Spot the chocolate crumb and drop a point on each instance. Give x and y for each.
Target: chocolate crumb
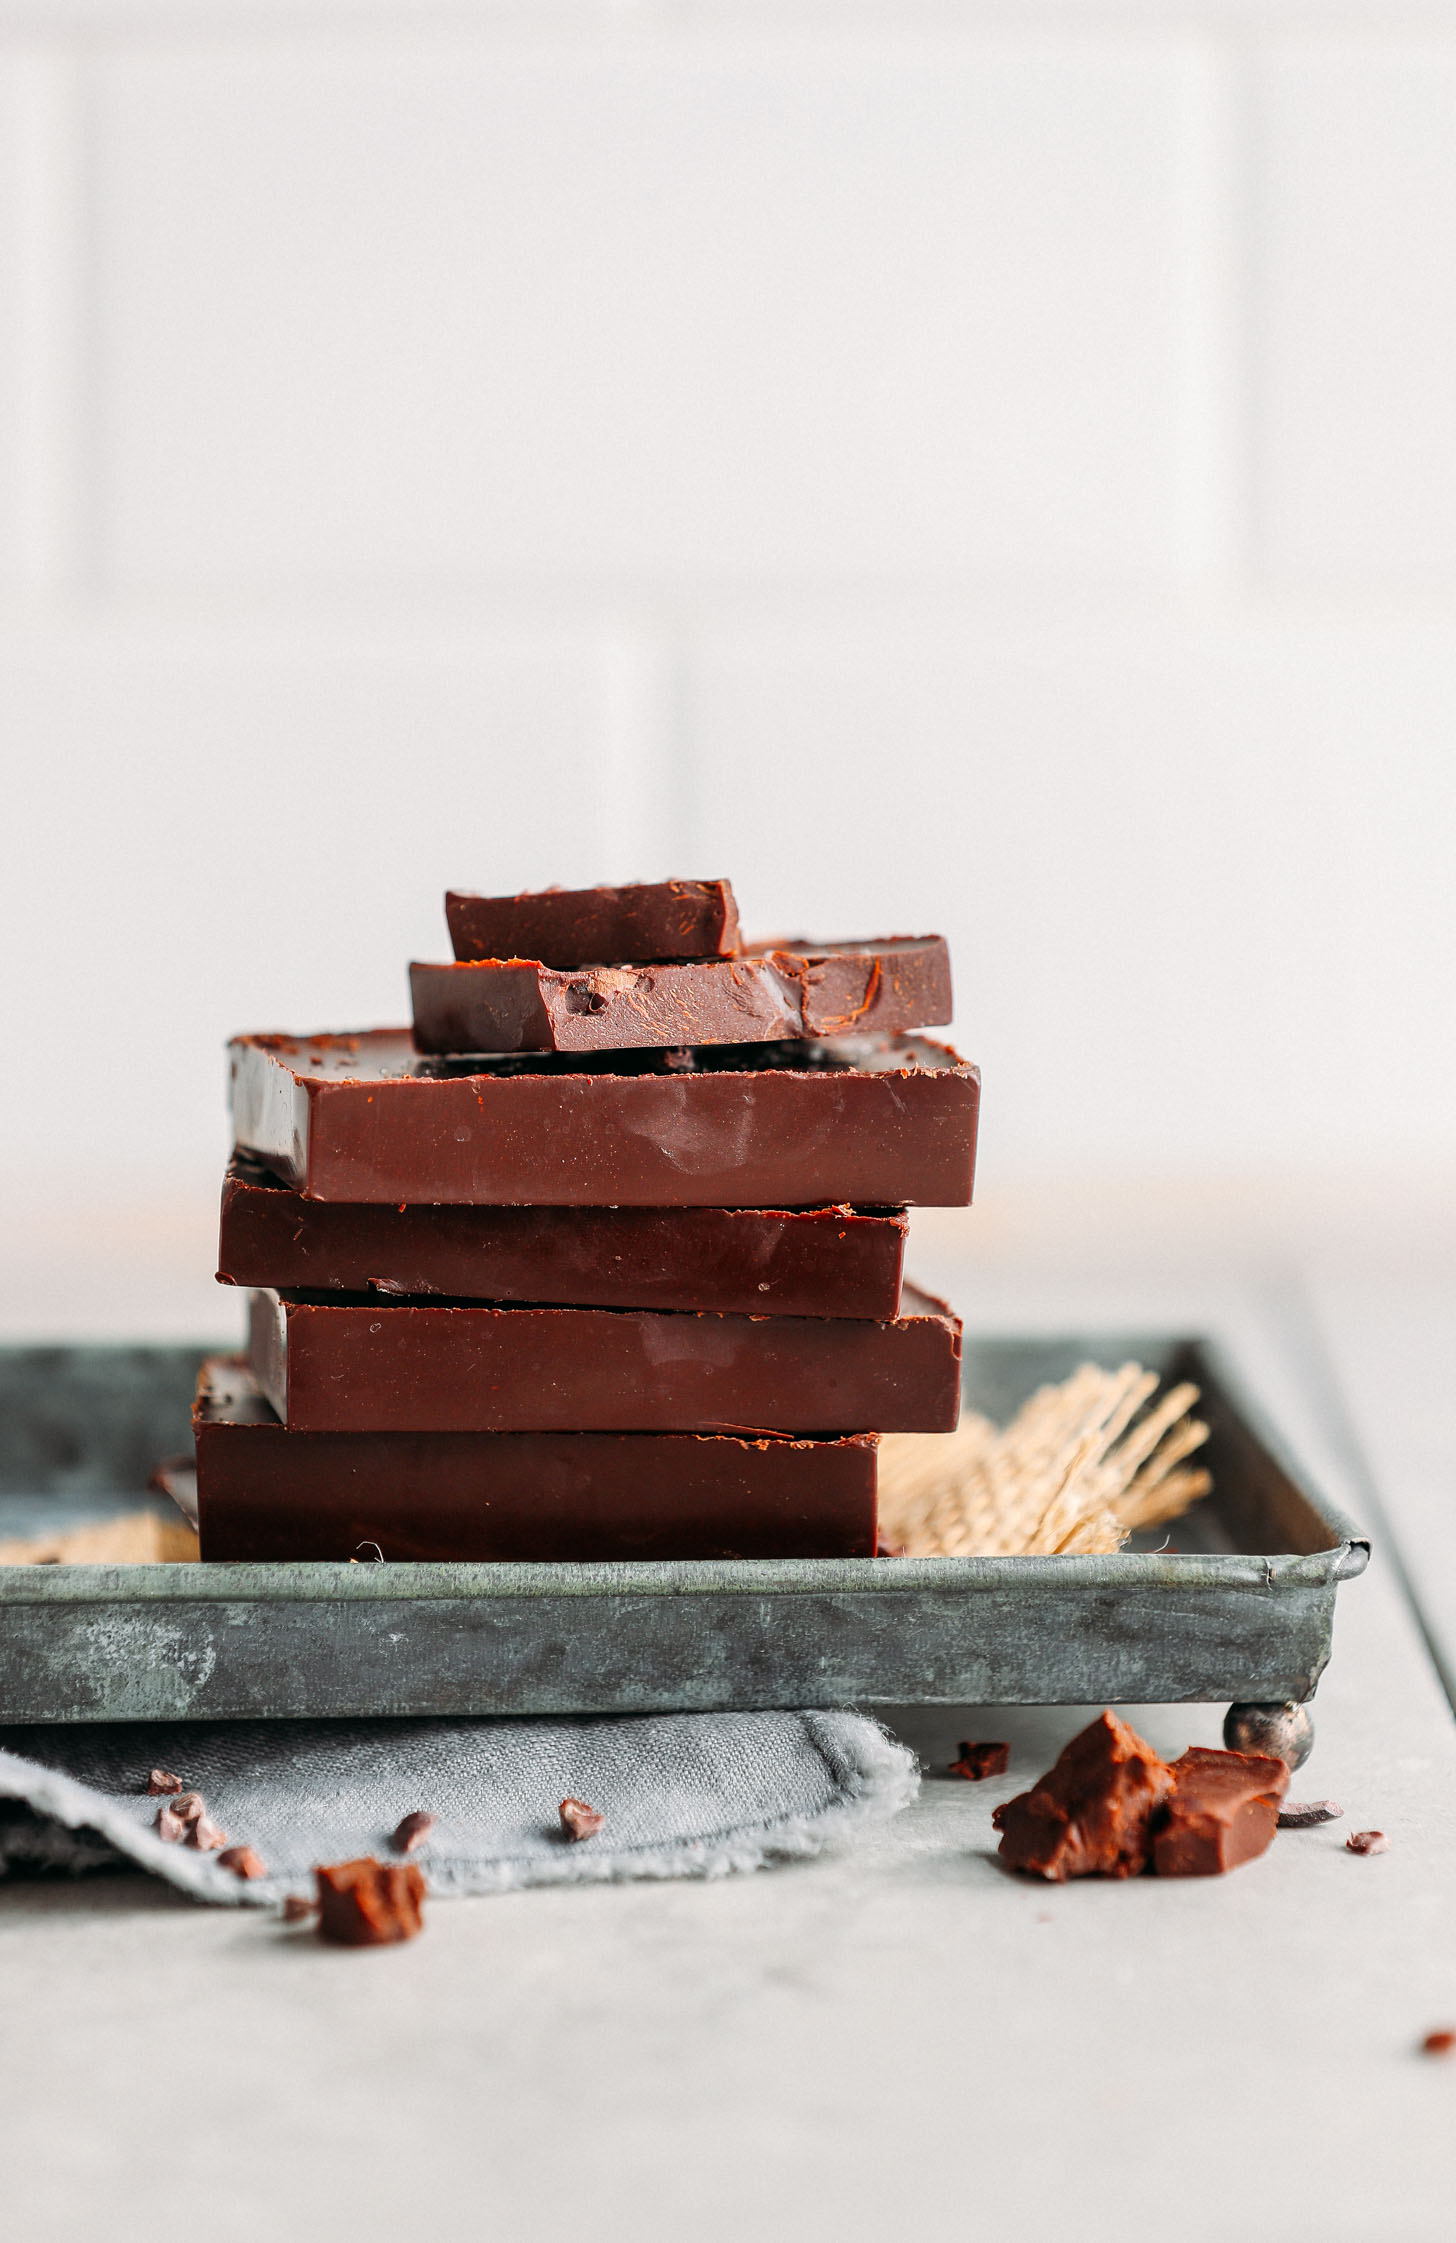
(204, 1835)
(977, 1761)
(1367, 1842)
(296, 1909)
(189, 1805)
(578, 1820)
(412, 1831)
(1303, 1814)
(369, 1903)
(170, 1825)
(162, 1780)
(242, 1861)
(1440, 2043)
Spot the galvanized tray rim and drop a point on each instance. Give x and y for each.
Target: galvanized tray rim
(341, 1639)
(304, 1582)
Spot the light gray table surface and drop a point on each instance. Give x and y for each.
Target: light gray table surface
(901, 2040)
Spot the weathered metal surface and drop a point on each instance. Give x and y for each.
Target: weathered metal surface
(1248, 1616)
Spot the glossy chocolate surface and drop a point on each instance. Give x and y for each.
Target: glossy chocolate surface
(1223, 1809)
(873, 1123)
(572, 927)
(833, 989)
(808, 1262)
(331, 1363)
(267, 1494)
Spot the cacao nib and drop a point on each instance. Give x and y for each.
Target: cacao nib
(978, 1761)
(578, 1820)
(242, 1861)
(412, 1831)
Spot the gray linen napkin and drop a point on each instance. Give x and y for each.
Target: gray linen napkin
(684, 1795)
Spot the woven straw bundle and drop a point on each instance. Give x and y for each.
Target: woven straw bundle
(1080, 1467)
(140, 1538)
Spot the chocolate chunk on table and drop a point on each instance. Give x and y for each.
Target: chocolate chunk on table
(369, 1903)
(265, 1494)
(571, 927)
(1223, 1809)
(875, 1122)
(507, 1005)
(827, 1261)
(332, 1362)
(1090, 1814)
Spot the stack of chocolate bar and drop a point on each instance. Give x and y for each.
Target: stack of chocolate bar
(603, 1261)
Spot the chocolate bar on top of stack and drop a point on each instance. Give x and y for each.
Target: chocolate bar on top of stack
(603, 1261)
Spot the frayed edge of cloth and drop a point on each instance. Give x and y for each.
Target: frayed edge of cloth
(70, 1827)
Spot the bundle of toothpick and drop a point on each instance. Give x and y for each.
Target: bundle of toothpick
(1079, 1469)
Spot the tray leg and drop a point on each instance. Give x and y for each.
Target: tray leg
(1284, 1732)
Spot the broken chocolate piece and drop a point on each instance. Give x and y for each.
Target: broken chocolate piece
(411, 1831)
(161, 1781)
(877, 1122)
(204, 1835)
(823, 1261)
(1223, 1810)
(1439, 2043)
(1089, 1815)
(369, 1903)
(1304, 1814)
(296, 1909)
(978, 1761)
(171, 1826)
(333, 1363)
(570, 927)
(243, 1862)
(264, 1493)
(884, 987)
(1367, 1842)
(189, 1805)
(578, 1820)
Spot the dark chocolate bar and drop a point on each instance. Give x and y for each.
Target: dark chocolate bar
(873, 1123)
(572, 927)
(828, 1261)
(332, 1363)
(827, 989)
(265, 1493)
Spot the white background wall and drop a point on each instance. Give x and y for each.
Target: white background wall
(987, 467)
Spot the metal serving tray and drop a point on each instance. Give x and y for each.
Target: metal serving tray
(1243, 1611)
